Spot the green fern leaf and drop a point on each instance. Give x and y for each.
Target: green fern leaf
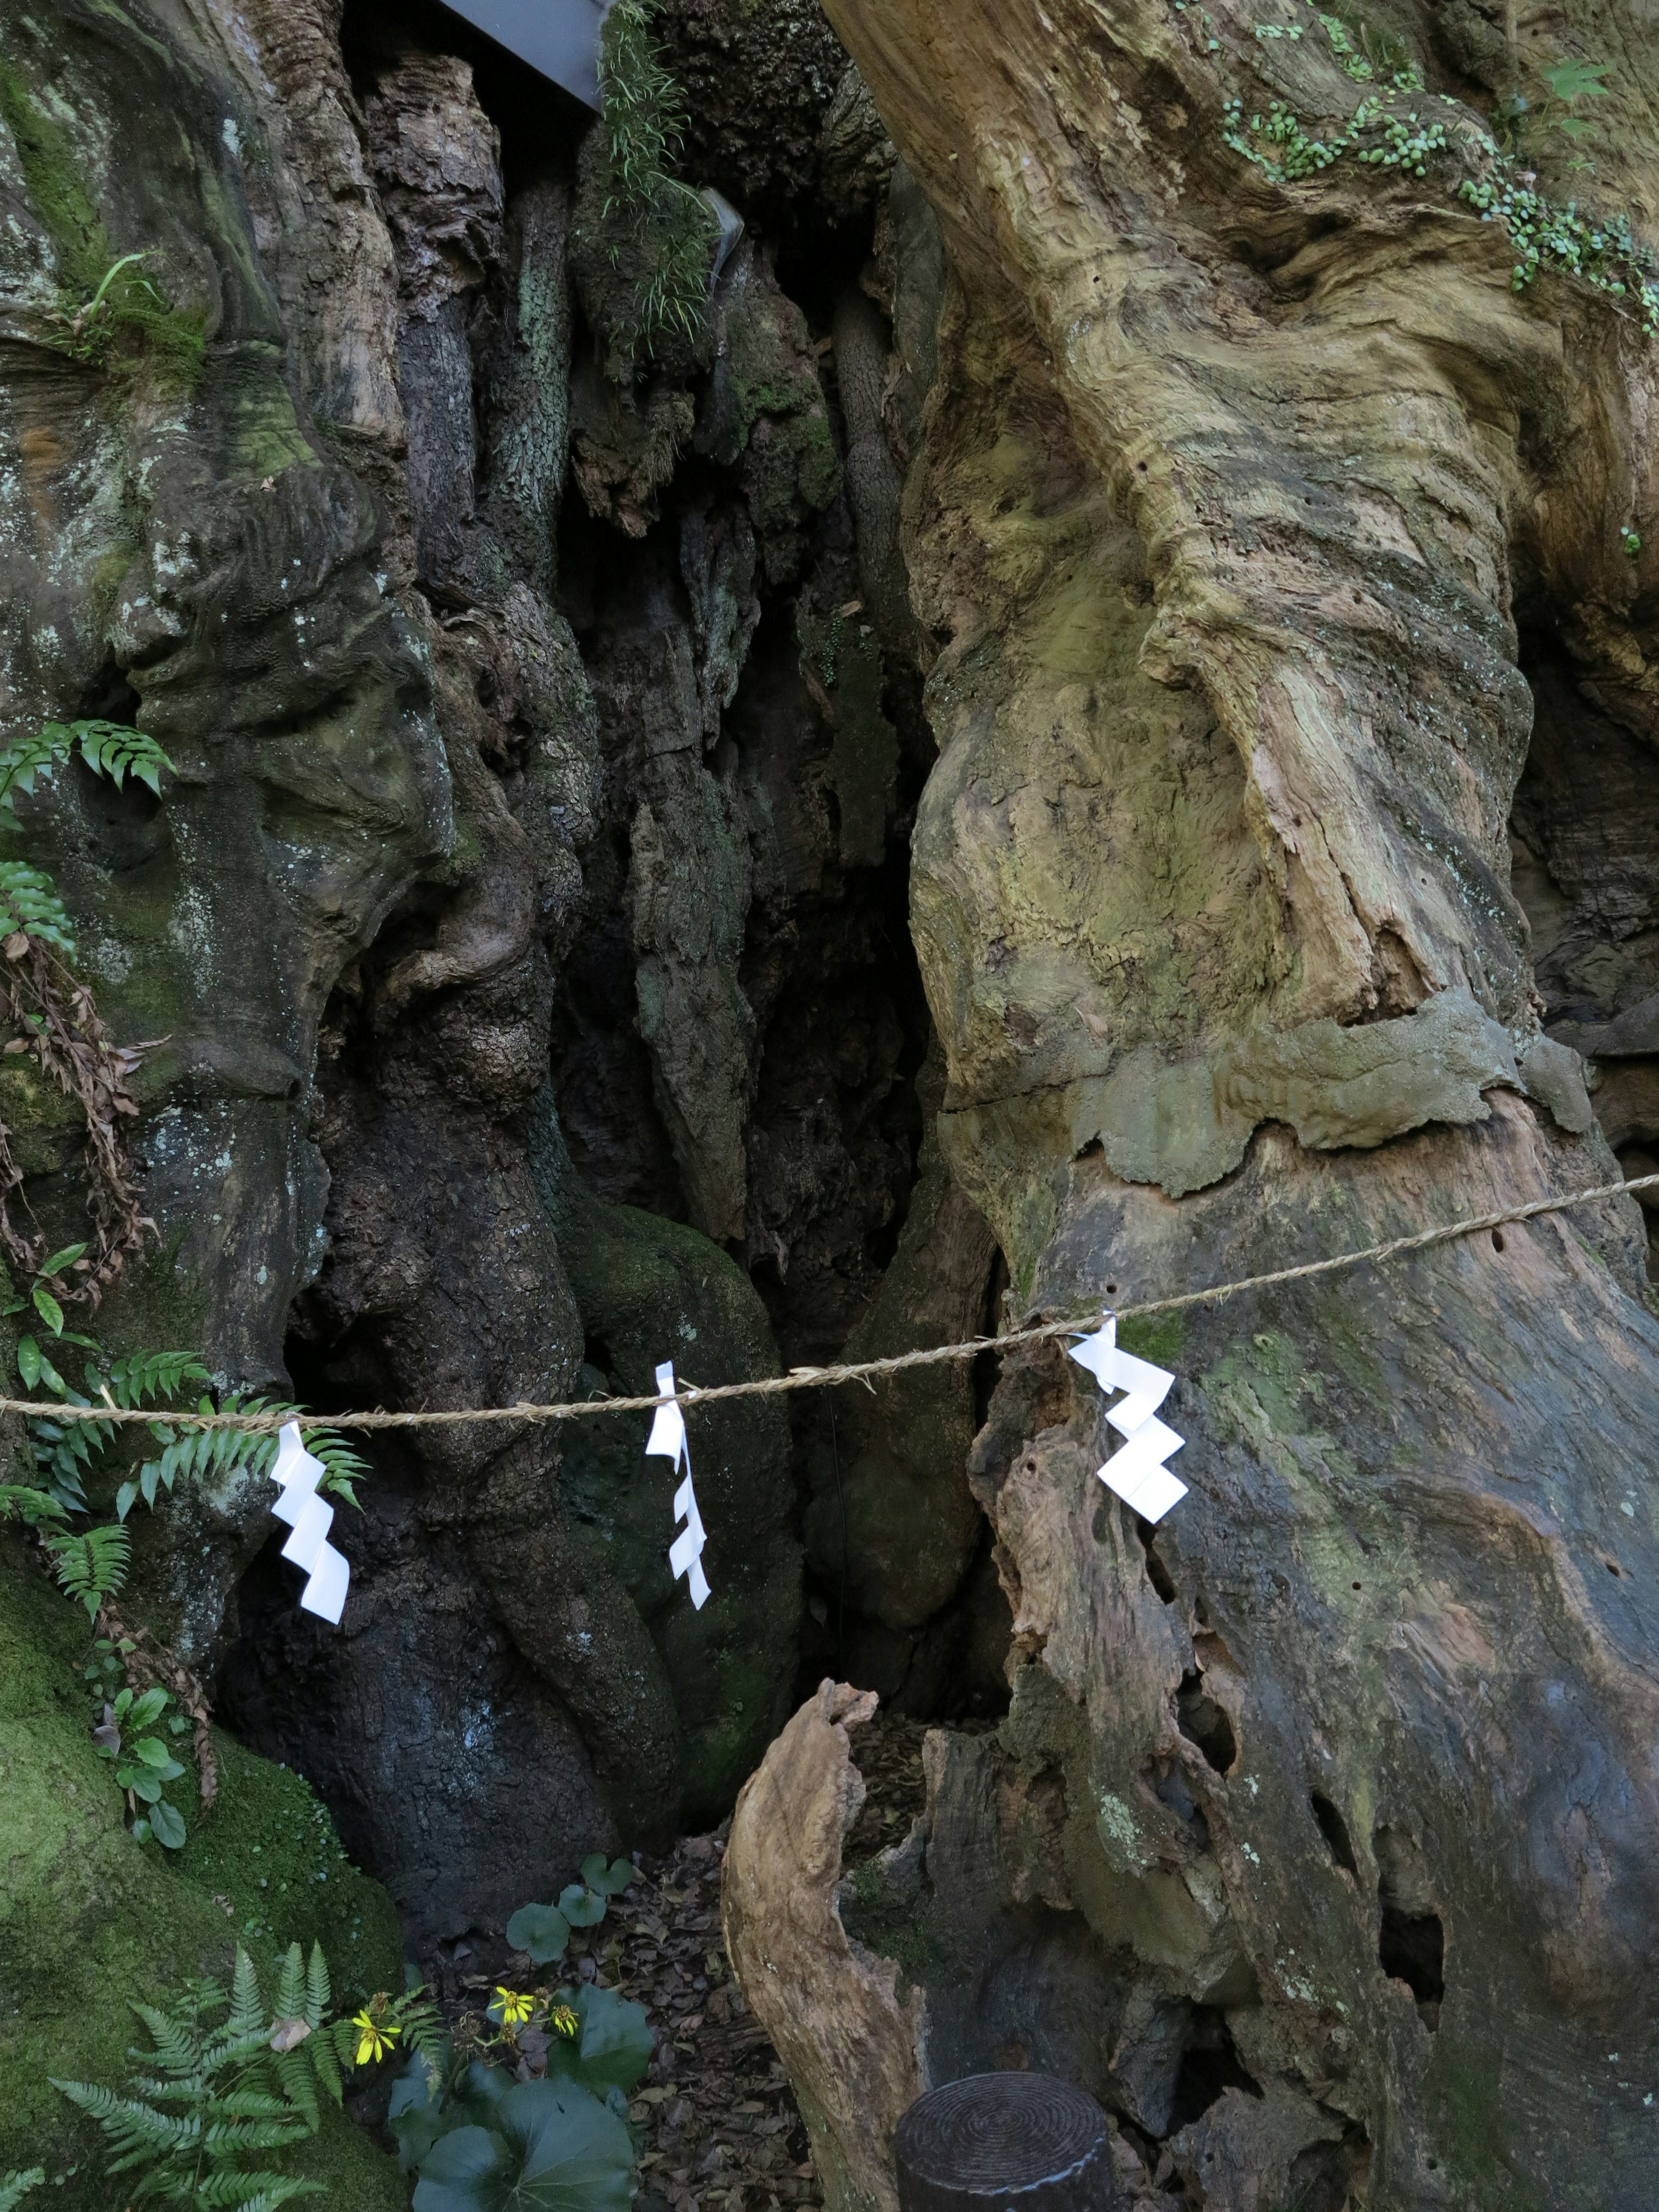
(236, 2100)
(322, 2048)
(26, 757)
(111, 748)
(319, 1994)
(271, 2190)
(151, 1375)
(14, 2187)
(120, 2116)
(19, 1502)
(246, 2104)
(29, 902)
(156, 2092)
(422, 2024)
(294, 2073)
(291, 1984)
(228, 2138)
(177, 2044)
(248, 2008)
(91, 1564)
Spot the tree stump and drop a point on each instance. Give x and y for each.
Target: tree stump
(1023, 2142)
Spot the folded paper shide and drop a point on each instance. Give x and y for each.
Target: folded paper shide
(667, 1441)
(310, 1517)
(1136, 1473)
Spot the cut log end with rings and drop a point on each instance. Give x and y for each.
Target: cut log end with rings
(1005, 2143)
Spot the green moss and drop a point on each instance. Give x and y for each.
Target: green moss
(266, 438)
(168, 341)
(1160, 1338)
(53, 171)
(90, 1920)
(1466, 2098)
(269, 1847)
(907, 1929)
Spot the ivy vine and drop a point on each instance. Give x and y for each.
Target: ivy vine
(1400, 129)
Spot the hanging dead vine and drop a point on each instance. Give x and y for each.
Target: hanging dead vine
(60, 1028)
(57, 1024)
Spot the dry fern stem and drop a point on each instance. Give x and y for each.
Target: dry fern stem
(58, 1024)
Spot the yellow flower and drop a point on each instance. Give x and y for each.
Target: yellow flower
(375, 2037)
(563, 2021)
(512, 2006)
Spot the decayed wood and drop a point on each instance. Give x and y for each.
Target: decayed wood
(854, 2049)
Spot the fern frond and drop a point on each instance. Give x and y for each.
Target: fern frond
(178, 2045)
(421, 2023)
(247, 2006)
(248, 2051)
(191, 1455)
(148, 1375)
(230, 2138)
(24, 758)
(271, 2190)
(238, 2099)
(111, 748)
(319, 1993)
(294, 2071)
(291, 1984)
(29, 902)
(133, 2126)
(91, 1564)
(154, 2091)
(246, 2104)
(323, 2048)
(344, 1465)
(20, 1503)
(59, 1452)
(14, 2187)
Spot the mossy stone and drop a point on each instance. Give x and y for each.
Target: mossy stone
(650, 1290)
(90, 1920)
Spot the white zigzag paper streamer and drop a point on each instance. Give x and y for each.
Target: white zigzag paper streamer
(667, 1441)
(310, 1517)
(1136, 1473)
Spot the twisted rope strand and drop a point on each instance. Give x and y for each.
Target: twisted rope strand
(817, 1378)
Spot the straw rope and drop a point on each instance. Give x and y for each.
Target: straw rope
(866, 1371)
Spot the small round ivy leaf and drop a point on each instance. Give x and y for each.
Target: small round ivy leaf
(540, 1929)
(581, 1907)
(141, 1832)
(609, 1881)
(167, 1825)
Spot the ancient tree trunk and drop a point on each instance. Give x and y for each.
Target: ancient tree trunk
(1319, 1839)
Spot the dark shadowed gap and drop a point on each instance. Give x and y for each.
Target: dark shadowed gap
(1203, 1722)
(1210, 2066)
(1412, 1949)
(1334, 1830)
(1156, 1573)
